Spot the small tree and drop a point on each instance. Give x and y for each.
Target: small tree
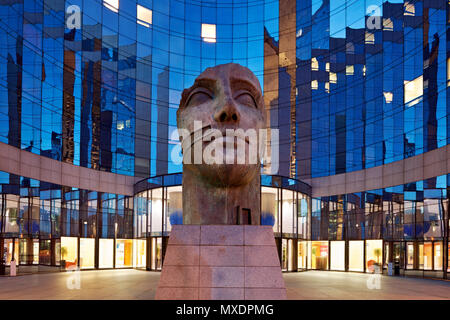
(377, 253)
(63, 252)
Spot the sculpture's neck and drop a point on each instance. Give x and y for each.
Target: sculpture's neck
(206, 204)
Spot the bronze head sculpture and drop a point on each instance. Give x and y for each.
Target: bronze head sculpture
(219, 118)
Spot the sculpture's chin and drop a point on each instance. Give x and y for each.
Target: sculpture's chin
(226, 175)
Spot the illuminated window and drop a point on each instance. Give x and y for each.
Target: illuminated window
(448, 71)
(410, 10)
(139, 253)
(69, 252)
(374, 255)
(124, 253)
(112, 5)
(413, 91)
(388, 25)
(318, 253)
(209, 32)
(370, 38)
(388, 96)
(349, 70)
(337, 252)
(327, 66)
(120, 125)
(87, 253)
(364, 71)
(327, 87)
(333, 77)
(314, 64)
(144, 16)
(356, 256)
(106, 253)
(314, 85)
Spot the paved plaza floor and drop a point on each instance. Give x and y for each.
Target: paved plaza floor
(136, 284)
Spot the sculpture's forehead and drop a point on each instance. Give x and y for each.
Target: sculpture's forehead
(226, 73)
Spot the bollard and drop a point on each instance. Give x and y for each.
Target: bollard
(12, 268)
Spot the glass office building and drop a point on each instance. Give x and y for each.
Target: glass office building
(89, 91)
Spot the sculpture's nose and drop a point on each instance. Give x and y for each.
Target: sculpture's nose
(227, 112)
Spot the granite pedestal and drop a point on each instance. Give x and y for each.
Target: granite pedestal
(218, 262)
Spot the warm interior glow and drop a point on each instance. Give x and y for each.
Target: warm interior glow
(438, 256)
(112, 5)
(413, 91)
(448, 72)
(333, 77)
(106, 253)
(427, 256)
(209, 32)
(124, 253)
(356, 256)
(370, 38)
(349, 70)
(69, 252)
(388, 96)
(388, 25)
(302, 254)
(337, 258)
(144, 16)
(314, 64)
(319, 255)
(374, 255)
(410, 10)
(139, 253)
(87, 253)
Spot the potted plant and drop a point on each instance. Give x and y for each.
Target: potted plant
(377, 253)
(63, 260)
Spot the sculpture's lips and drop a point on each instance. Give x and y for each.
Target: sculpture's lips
(209, 137)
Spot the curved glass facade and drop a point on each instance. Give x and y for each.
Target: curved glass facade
(350, 85)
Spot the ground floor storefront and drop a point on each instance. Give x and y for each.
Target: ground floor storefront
(71, 253)
(414, 258)
(428, 259)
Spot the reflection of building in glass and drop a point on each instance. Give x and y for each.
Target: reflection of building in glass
(360, 99)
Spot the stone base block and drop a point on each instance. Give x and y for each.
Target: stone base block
(221, 262)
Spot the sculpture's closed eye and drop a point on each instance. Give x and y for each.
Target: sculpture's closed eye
(246, 99)
(198, 98)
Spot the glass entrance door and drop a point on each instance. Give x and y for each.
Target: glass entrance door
(284, 253)
(10, 249)
(398, 251)
(301, 251)
(156, 253)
